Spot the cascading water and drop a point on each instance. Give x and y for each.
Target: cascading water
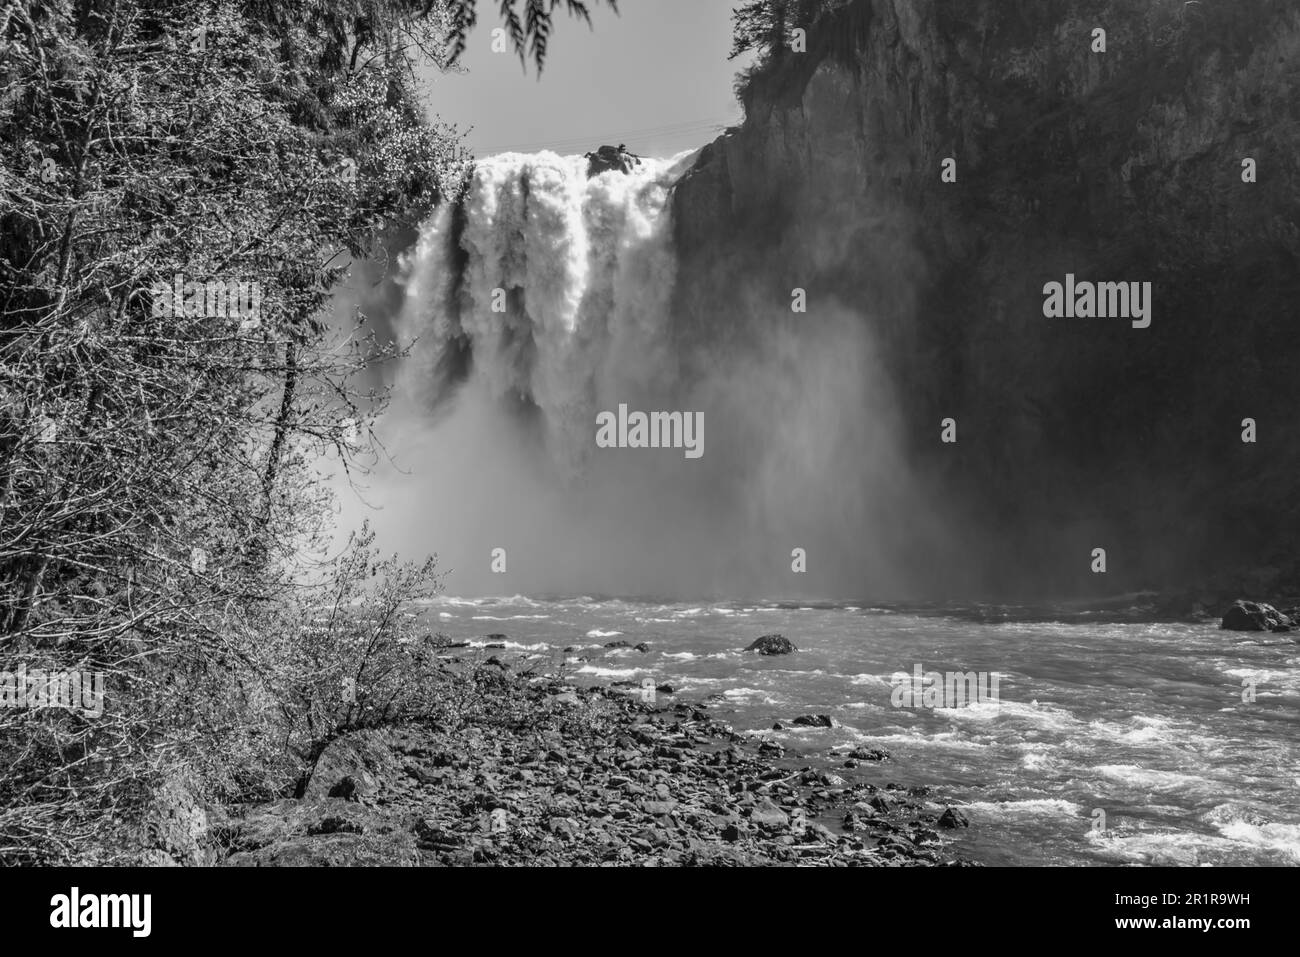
(562, 289)
(545, 298)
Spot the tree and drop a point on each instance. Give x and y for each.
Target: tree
(529, 33)
(765, 26)
(178, 184)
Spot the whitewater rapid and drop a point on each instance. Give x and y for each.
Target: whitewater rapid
(558, 285)
(1113, 742)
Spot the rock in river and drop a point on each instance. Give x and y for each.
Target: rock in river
(772, 645)
(815, 721)
(1254, 616)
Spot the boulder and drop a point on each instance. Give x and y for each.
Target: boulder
(868, 754)
(815, 721)
(1254, 616)
(611, 158)
(351, 767)
(772, 645)
(952, 818)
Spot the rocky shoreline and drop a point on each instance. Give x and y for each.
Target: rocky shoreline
(526, 769)
(543, 773)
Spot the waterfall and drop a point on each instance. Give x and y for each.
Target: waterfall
(544, 300)
(557, 285)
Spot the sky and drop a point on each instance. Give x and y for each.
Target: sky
(654, 76)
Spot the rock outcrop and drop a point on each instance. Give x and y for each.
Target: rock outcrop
(1126, 165)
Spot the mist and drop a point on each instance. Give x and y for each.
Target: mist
(800, 436)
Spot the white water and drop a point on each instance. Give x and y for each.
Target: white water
(493, 430)
(1141, 720)
(565, 291)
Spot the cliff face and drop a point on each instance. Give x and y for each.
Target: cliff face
(1123, 165)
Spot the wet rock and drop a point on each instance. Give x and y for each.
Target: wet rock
(642, 647)
(869, 754)
(772, 645)
(815, 721)
(617, 644)
(952, 818)
(1254, 616)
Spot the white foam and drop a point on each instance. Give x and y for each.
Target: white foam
(1030, 808)
(1149, 778)
(881, 680)
(599, 672)
(1283, 838)
(509, 617)
(514, 645)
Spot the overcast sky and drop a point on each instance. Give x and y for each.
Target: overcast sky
(655, 76)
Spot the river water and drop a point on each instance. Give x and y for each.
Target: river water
(1112, 740)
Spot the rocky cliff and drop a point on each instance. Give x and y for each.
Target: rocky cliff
(1122, 165)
